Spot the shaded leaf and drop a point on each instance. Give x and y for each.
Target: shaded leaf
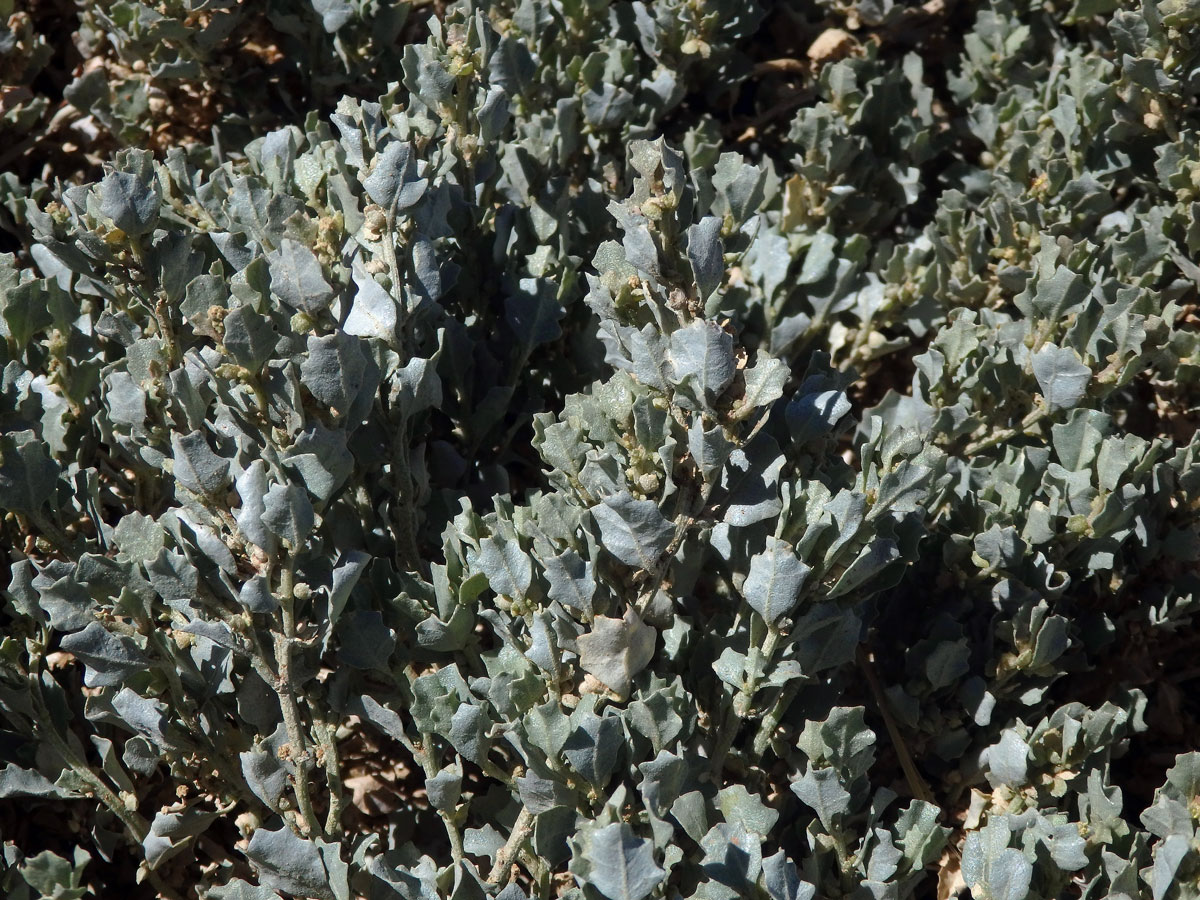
(335, 370)
(110, 659)
(197, 467)
(706, 255)
(27, 475)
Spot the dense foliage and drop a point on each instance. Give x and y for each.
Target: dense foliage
(700, 448)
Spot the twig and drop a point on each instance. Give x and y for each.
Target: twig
(130, 818)
(658, 572)
(740, 704)
(65, 113)
(164, 889)
(54, 534)
(333, 774)
(770, 66)
(916, 783)
(1008, 434)
(520, 833)
(425, 759)
(289, 706)
(782, 107)
(133, 822)
(766, 728)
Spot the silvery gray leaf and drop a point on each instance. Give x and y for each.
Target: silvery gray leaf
(288, 513)
(252, 488)
(783, 880)
(814, 415)
(335, 370)
(126, 400)
(297, 277)
(1061, 375)
(349, 569)
(821, 790)
(541, 794)
(249, 337)
(334, 13)
(393, 183)
(622, 864)
(130, 202)
(374, 313)
(18, 782)
(704, 352)
(706, 255)
(27, 474)
(594, 748)
(444, 789)
(662, 781)
(1007, 760)
(197, 467)
(776, 576)
(739, 184)
(765, 381)
(289, 863)
(634, 531)
(111, 659)
(507, 566)
(256, 595)
(171, 832)
(572, 582)
(617, 649)
(818, 258)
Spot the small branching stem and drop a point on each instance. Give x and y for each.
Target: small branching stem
(327, 737)
(740, 705)
(289, 705)
(760, 658)
(684, 522)
(1007, 434)
(421, 751)
(132, 820)
(54, 534)
(135, 825)
(916, 783)
(522, 828)
(770, 722)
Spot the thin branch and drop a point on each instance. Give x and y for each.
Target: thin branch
(916, 783)
(522, 828)
(333, 774)
(771, 66)
(1007, 434)
(658, 572)
(66, 113)
(424, 757)
(289, 704)
(741, 703)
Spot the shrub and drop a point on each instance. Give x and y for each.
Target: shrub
(618, 461)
